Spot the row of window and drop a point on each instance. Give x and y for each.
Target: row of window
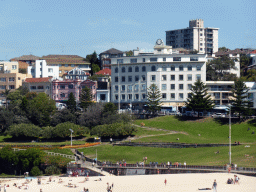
(172, 96)
(153, 68)
(71, 87)
(38, 87)
(172, 77)
(3, 87)
(172, 87)
(130, 88)
(130, 78)
(11, 79)
(72, 65)
(155, 59)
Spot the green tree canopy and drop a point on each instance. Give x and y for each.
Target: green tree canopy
(199, 100)
(153, 99)
(85, 97)
(71, 103)
(93, 59)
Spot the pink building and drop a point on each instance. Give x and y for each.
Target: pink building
(62, 89)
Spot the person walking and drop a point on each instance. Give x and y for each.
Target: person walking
(214, 186)
(165, 182)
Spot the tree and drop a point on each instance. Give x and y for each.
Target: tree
(63, 116)
(199, 100)
(93, 59)
(223, 49)
(219, 69)
(240, 103)
(5, 93)
(85, 97)
(23, 130)
(71, 103)
(95, 68)
(129, 53)
(153, 97)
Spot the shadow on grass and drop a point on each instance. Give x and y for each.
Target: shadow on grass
(34, 139)
(225, 121)
(187, 118)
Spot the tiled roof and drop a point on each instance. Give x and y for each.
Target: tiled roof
(64, 59)
(253, 52)
(25, 57)
(37, 80)
(112, 51)
(104, 72)
(22, 65)
(233, 52)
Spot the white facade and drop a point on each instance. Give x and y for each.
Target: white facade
(41, 69)
(174, 74)
(103, 95)
(195, 37)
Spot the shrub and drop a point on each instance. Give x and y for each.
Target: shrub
(52, 170)
(24, 130)
(35, 171)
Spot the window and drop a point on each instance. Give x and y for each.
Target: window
(181, 67)
(153, 68)
(123, 88)
(172, 95)
(72, 65)
(66, 65)
(50, 70)
(172, 77)
(163, 87)
(137, 69)
(172, 86)
(119, 61)
(116, 79)
(201, 44)
(153, 59)
(189, 86)
(129, 78)
(116, 87)
(14, 67)
(129, 96)
(47, 87)
(164, 69)
(190, 68)
(143, 87)
(102, 97)
(163, 95)
(60, 65)
(181, 86)
(130, 69)
(40, 87)
(129, 89)
(62, 86)
(143, 60)
(40, 69)
(60, 71)
(123, 69)
(3, 79)
(198, 68)
(136, 87)
(11, 79)
(189, 95)
(201, 34)
(198, 77)
(176, 58)
(143, 78)
(189, 77)
(143, 96)
(181, 77)
(116, 70)
(32, 87)
(123, 78)
(18, 78)
(123, 96)
(11, 87)
(116, 97)
(172, 68)
(143, 68)
(153, 77)
(164, 59)
(70, 86)
(137, 78)
(181, 95)
(136, 96)
(164, 78)
(133, 60)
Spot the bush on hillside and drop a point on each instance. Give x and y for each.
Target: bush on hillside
(52, 170)
(35, 171)
(23, 130)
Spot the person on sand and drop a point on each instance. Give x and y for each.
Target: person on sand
(165, 181)
(214, 186)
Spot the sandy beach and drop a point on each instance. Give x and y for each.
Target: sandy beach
(144, 183)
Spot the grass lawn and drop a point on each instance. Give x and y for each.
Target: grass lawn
(193, 156)
(62, 151)
(210, 129)
(144, 132)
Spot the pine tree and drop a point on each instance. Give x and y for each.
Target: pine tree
(199, 100)
(240, 103)
(71, 103)
(154, 96)
(85, 97)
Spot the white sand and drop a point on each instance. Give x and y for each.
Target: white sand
(145, 183)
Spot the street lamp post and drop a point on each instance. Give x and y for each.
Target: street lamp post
(230, 135)
(71, 135)
(118, 89)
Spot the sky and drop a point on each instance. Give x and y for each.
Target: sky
(80, 27)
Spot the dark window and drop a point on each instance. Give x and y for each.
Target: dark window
(116, 79)
(130, 69)
(123, 69)
(153, 68)
(123, 78)
(116, 70)
(172, 68)
(137, 69)
(176, 58)
(62, 86)
(154, 59)
(143, 68)
(70, 86)
(193, 58)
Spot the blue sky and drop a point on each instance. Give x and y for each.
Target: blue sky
(42, 27)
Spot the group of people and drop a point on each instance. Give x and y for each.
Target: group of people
(231, 181)
(3, 187)
(110, 187)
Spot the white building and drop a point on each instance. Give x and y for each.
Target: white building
(195, 37)
(173, 74)
(41, 69)
(76, 73)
